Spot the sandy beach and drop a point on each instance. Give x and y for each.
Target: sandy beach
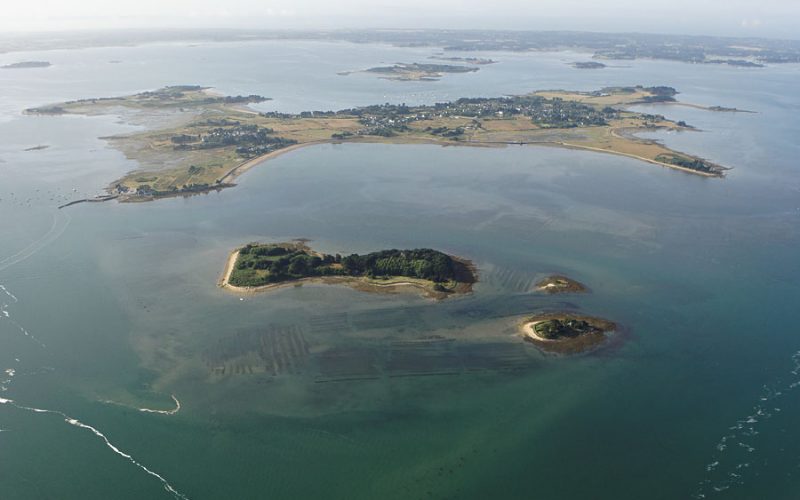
(528, 330)
(247, 165)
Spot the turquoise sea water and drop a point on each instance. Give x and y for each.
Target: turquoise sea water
(331, 393)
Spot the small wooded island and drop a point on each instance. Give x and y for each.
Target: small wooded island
(566, 333)
(410, 72)
(588, 65)
(560, 284)
(26, 65)
(258, 267)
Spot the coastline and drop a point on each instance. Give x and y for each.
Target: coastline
(226, 181)
(567, 145)
(245, 166)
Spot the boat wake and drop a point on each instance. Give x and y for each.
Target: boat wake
(734, 454)
(60, 222)
(77, 423)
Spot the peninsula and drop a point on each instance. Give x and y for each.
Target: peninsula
(259, 267)
(566, 333)
(205, 140)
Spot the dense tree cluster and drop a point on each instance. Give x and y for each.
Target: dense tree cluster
(420, 263)
(560, 328)
(250, 140)
(263, 264)
(690, 163)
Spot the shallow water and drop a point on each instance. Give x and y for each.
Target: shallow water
(329, 392)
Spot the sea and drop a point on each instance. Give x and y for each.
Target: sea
(127, 373)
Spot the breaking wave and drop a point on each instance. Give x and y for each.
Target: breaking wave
(149, 410)
(733, 457)
(77, 423)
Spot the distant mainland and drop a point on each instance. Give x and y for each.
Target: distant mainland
(215, 138)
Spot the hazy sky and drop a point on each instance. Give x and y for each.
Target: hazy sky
(774, 18)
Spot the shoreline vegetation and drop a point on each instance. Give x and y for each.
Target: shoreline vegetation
(212, 139)
(258, 267)
(566, 333)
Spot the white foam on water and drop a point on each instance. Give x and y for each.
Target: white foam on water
(165, 412)
(77, 423)
(149, 410)
(720, 477)
(4, 314)
(26, 332)
(5, 290)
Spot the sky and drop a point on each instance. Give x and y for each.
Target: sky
(769, 18)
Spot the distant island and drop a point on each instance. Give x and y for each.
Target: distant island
(566, 333)
(479, 61)
(693, 49)
(723, 109)
(560, 284)
(588, 65)
(742, 63)
(418, 71)
(213, 139)
(259, 267)
(26, 64)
